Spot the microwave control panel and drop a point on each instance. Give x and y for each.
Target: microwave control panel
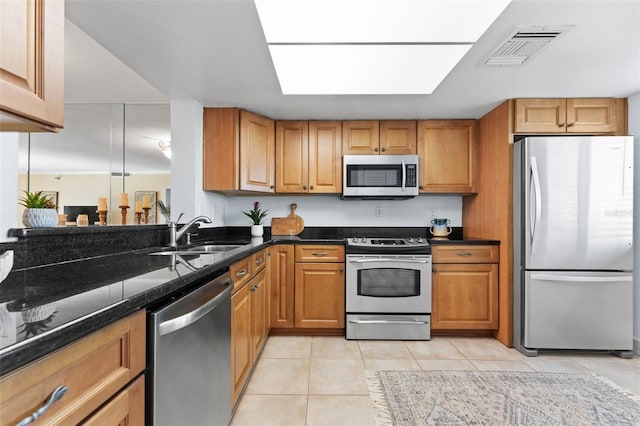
(412, 175)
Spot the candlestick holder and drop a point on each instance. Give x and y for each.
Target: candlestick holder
(102, 215)
(123, 211)
(146, 215)
(138, 217)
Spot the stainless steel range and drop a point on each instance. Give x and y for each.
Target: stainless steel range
(388, 288)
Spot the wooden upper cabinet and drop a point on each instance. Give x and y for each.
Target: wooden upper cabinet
(379, 137)
(292, 156)
(447, 153)
(308, 157)
(581, 115)
(238, 151)
(325, 157)
(32, 65)
(398, 137)
(360, 137)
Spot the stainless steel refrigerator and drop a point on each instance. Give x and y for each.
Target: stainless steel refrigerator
(573, 254)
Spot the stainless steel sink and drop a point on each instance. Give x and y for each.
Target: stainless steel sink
(208, 248)
(198, 250)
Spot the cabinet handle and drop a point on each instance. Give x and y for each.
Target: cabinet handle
(375, 149)
(464, 253)
(241, 273)
(383, 149)
(311, 187)
(259, 260)
(421, 187)
(571, 124)
(320, 253)
(304, 186)
(55, 395)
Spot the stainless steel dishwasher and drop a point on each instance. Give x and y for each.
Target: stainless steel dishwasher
(189, 375)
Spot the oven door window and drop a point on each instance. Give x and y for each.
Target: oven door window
(389, 282)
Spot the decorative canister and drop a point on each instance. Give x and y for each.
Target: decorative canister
(440, 227)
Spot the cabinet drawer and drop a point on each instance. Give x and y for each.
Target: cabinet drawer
(127, 408)
(465, 254)
(94, 369)
(241, 272)
(259, 261)
(319, 253)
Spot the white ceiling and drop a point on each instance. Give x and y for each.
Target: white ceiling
(214, 51)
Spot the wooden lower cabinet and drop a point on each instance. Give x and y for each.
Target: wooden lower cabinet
(465, 287)
(465, 296)
(249, 329)
(126, 409)
(95, 369)
(282, 271)
(319, 295)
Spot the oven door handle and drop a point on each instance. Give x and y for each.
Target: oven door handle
(387, 322)
(382, 259)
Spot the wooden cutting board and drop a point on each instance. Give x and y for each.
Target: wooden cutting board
(291, 225)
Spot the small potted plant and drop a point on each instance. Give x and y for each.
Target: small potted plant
(256, 215)
(40, 211)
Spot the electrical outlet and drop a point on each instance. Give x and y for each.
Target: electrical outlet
(378, 211)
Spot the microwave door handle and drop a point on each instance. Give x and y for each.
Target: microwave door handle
(404, 175)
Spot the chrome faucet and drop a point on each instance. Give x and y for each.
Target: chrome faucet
(175, 235)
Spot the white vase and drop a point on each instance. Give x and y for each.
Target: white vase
(257, 230)
(39, 218)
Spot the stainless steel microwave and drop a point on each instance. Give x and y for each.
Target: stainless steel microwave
(380, 176)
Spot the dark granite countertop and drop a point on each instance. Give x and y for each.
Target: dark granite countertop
(470, 241)
(44, 308)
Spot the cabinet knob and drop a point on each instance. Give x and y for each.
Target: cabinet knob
(421, 187)
(341, 269)
(271, 187)
(375, 149)
(304, 186)
(562, 124)
(311, 187)
(383, 149)
(259, 260)
(571, 124)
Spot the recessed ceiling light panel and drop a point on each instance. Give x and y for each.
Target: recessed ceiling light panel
(363, 69)
(377, 21)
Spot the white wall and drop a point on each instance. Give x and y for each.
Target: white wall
(634, 129)
(330, 210)
(8, 182)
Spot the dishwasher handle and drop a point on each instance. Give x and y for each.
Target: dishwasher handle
(182, 321)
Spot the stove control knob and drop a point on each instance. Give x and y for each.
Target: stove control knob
(419, 239)
(410, 239)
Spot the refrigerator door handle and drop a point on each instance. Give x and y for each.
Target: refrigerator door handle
(535, 186)
(599, 279)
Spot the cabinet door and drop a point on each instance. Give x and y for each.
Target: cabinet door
(259, 299)
(257, 140)
(465, 296)
(596, 115)
(94, 369)
(281, 265)
(292, 156)
(360, 137)
(127, 408)
(319, 295)
(241, 341)
(447, 150)
(31, 65)
(540, 116)
(398, 137)
(325, 157)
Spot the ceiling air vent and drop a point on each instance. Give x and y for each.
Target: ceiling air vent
(523, 44)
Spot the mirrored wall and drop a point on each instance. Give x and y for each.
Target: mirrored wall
(103, 151)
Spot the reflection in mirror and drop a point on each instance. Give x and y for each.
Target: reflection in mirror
(104, 149)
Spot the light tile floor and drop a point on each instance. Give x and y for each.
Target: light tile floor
(322, 380)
